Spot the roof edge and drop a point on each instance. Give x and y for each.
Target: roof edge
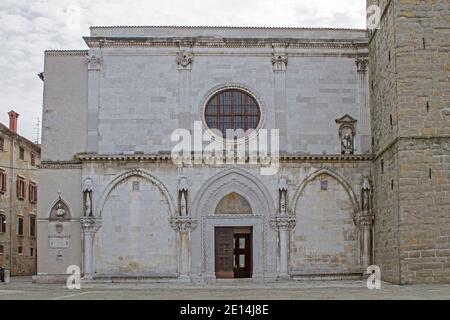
(228, 27)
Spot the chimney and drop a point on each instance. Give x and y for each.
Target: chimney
(13, 120)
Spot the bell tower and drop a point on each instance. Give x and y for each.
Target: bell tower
(409, 84)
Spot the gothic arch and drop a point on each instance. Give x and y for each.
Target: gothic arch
(133, 173)
(334, 175)
(228, 181)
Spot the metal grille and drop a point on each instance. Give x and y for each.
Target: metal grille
(232, 109)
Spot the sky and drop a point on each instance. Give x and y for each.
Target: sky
(29, 27)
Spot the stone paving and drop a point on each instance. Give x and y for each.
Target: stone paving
(22, 288)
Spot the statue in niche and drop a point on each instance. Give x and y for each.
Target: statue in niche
(365, 194)
(347, 141)
(347, 126)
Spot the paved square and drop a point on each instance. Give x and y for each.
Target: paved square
(22, 288)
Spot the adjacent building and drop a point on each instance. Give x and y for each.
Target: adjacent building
(19, 159)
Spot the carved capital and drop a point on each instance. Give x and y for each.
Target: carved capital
(279, 61)
(361, 64)
(94, 62)
(183, 224)
(184, 60)
(366, 220)
(283, 223)
(90, 224)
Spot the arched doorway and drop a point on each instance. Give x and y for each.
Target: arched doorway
(222, 192)
(233, 245)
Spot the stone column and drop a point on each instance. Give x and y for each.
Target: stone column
(364, 114)
(94, 68)
(283, 224)
(365, 223)
(279, 62)
(90, 226)
(184, 225)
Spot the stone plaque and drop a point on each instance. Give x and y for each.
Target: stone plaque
(59, 242)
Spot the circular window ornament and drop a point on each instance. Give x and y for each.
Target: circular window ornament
(232, 110)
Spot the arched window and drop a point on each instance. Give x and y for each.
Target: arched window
(232, 109)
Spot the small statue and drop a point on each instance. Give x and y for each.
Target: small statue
(365, 194)
(87, 205)
(347, 143)
(183, 207)
(60, 211)
(283, 203)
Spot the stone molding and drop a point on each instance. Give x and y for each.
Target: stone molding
(60, 165)
(108, 42)
(168, 157)
(67, 52)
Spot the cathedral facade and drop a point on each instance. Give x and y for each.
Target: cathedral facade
(204, 153)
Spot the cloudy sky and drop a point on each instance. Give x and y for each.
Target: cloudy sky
(28, 27)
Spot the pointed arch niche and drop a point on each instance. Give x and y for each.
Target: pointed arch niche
(233, 203)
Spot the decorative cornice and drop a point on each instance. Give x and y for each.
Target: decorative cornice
(60, 165)
(66, 52)
(183, 224)
(108, 42)
(168, 157)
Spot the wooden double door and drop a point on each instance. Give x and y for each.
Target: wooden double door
(233, 252)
